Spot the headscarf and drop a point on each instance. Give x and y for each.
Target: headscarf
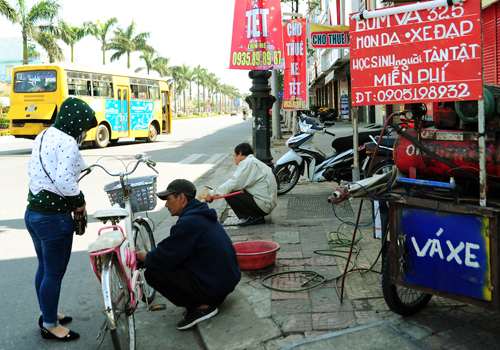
(74, 117)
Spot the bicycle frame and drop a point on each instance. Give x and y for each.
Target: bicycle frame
(113, 240)
(128, 263)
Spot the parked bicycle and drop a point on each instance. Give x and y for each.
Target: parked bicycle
(113, 255)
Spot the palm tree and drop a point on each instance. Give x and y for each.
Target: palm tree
(44, 33)
(157, 64)
(179, 82)
(100, 31)
(125, 42)
(7, 11)
(184, 76)
(70, 35)
(205, 82)
(199, 75)
(213, 86)
(48, 42)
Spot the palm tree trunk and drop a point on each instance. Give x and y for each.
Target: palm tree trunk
(184, 98)
(199, 111)
(128, 60)
(204, 97)
(103, 57)
(175, 99)
(72, 53)
(25, 50)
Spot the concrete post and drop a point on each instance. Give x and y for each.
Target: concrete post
(260, 101)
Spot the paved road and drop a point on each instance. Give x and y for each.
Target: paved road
(192, 151)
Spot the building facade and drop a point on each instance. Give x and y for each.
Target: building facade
(11, 55)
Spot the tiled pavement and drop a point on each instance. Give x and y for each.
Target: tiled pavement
(443, 324)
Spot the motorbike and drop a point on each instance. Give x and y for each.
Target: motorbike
(327, 115)
(320, 167)
(383, 157)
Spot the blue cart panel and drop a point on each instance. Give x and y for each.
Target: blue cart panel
(447, 251)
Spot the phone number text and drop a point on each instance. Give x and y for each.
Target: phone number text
(451, 91)
(257, 58)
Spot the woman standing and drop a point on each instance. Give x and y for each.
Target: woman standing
(54, 168)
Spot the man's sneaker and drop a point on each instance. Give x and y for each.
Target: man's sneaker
(192, 317)
(240, 221)
(253, 220)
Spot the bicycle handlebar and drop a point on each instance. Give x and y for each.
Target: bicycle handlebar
(140, 159)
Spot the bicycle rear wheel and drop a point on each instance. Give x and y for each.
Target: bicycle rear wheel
(117, 302)
(146, 242)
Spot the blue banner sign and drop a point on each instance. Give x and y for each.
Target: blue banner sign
(447, 252)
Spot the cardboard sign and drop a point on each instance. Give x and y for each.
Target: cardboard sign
(257, 36)
(328, 37)
(418, 56)
(296, 89)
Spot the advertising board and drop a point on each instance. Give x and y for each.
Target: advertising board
(417, 56)
(295, 87)
(257, 42)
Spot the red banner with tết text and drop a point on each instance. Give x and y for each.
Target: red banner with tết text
(257, 42)
(295, 91)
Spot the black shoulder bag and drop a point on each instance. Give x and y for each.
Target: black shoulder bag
(79, 217)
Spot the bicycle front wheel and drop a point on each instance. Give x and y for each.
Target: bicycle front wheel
(145, 240)
(118, 307)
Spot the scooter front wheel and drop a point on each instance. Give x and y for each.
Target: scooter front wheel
(287, 175)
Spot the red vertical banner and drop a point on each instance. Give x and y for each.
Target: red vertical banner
(295, 92)
(257, 42)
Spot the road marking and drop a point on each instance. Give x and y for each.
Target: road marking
(215, 158)
(190, 159)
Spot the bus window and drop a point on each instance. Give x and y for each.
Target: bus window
(35, 81)
(139, 92)
(96, 92)
(143, 92)
(154, 93)
(134, 91)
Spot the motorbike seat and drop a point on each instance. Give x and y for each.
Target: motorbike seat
(342, 144)
(386, 141)
(382, 150)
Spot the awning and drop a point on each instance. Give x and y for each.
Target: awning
(33, 111)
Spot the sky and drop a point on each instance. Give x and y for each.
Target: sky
(191, 32)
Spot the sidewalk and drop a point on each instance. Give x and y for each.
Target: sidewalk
(257, 318)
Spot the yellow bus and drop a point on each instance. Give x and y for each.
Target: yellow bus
(126, 105)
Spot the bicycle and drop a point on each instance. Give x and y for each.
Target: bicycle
(113, 255)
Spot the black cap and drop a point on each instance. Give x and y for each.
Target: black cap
(178, 186)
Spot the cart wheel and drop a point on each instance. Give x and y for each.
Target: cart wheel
(401, 300)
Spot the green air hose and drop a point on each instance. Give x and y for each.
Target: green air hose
(337, 246)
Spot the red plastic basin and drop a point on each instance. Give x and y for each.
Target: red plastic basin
(256, 255)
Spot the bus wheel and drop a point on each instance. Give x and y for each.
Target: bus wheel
(152, 133)
(101, 136)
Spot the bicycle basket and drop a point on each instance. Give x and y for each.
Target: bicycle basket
(143, 194)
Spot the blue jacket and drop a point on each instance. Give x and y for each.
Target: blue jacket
(199, 243)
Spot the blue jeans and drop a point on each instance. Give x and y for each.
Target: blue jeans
(52, 237)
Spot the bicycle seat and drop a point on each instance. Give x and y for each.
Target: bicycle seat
(110, 213)
(106, 240)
